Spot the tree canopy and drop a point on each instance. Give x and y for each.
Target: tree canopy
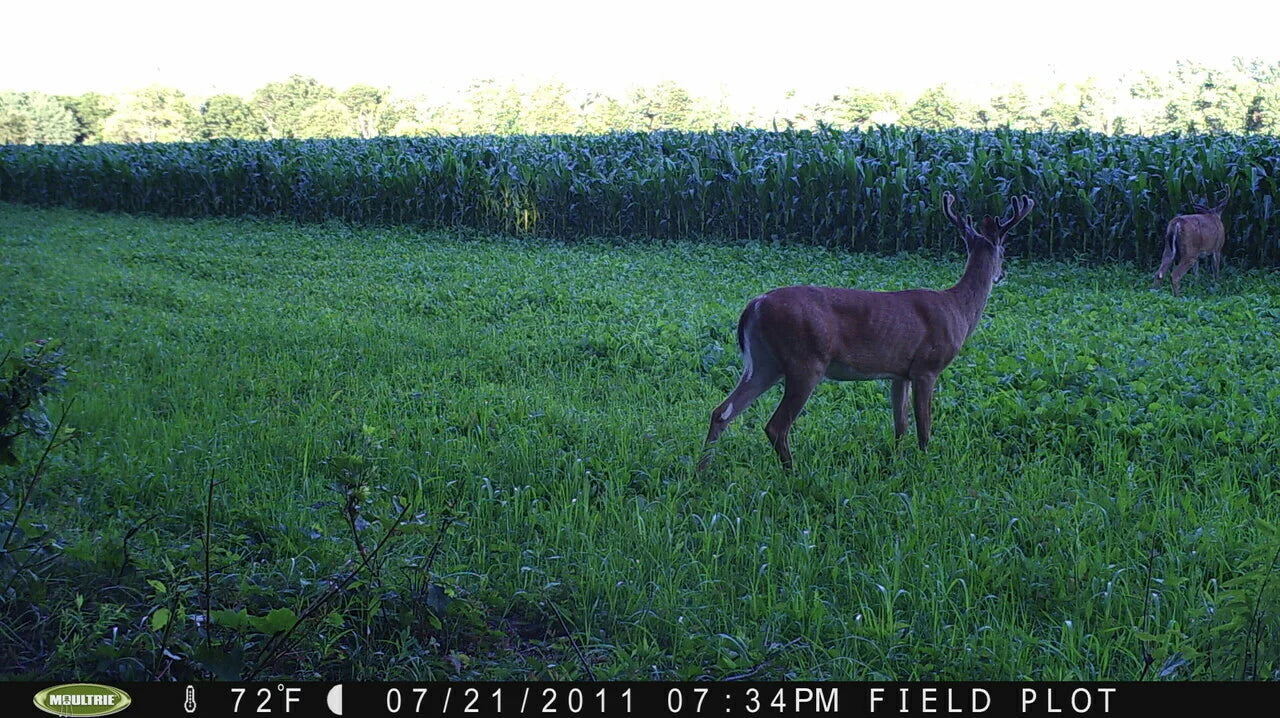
(35, 118)
(1190, 97)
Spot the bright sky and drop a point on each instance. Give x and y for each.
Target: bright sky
(755, 52)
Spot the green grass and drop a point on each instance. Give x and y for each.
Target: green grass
(1096, 494)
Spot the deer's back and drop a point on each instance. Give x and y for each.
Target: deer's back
(1199, 232)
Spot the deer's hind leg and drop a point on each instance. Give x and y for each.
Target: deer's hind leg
(799, 386)
(760, 373)
(1180, 270)
(898, 400)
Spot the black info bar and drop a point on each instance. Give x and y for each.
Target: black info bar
(727, 698)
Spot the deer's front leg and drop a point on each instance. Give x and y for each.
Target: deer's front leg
(922, 391)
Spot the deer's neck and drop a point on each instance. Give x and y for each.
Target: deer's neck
(974, 287)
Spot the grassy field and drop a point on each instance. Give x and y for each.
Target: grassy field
(255, 404)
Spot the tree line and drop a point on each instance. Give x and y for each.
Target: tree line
(1191, 97)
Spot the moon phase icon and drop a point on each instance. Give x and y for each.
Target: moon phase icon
(334, 700)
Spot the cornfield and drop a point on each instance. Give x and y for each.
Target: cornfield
(1098, 196)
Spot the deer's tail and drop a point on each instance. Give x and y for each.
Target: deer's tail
(744, 338)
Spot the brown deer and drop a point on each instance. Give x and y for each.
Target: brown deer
(804, 334)
(1187, 237)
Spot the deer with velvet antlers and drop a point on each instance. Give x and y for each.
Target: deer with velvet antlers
(804, 334)
(1188, 236)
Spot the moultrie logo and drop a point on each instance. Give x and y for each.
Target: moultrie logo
(82, 699)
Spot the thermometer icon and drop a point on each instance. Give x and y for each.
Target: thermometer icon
(190, 704)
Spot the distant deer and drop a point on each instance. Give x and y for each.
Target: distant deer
(804, 334)
(1187, 237)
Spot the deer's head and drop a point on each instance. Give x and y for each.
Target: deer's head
(1217, 209)
(988, 237)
